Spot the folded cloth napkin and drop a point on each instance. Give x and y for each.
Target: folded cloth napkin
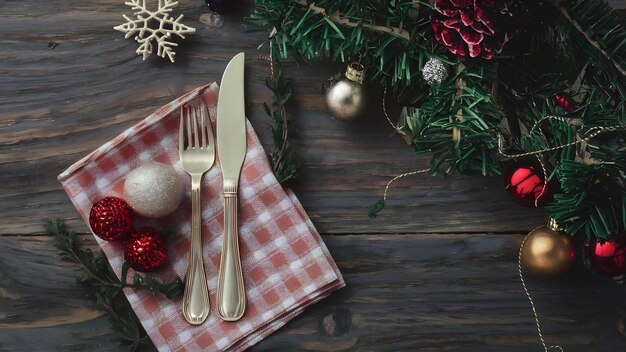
(286, 265)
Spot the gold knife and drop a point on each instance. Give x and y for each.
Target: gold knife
(231, 147)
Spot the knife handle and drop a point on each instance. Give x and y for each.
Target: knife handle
(231, 294)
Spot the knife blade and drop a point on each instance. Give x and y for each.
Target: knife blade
(231, 147)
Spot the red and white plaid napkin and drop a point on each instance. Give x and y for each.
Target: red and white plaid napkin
(286, 265)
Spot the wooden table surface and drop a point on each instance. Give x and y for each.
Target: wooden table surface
(436, 271)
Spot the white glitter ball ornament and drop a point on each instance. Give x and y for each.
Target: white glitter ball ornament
(434, 71)
(153, 190)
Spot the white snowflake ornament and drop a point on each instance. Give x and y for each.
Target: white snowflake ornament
(162, 34)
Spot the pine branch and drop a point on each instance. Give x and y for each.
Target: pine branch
(390, 43)
(599, 40)
(106, 289)
(576, 49)
(282, 156)
(591, 200)
(599, 24)
(344, 21)
(435, 124)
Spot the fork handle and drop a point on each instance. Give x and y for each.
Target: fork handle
(231, 294)
(196, 296)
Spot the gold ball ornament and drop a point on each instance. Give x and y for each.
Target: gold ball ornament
(345, 99)
(547, 252)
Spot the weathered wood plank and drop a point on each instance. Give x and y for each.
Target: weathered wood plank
(427, 292)
(56, 105)
(456, 291)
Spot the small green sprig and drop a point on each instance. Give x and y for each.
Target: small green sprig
(105, 289)
(282, 156)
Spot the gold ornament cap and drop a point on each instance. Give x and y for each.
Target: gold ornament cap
(553, 225)
(355, 72)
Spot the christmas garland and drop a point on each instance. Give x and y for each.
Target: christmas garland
(489, 88)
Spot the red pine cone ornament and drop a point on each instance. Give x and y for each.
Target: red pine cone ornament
(475, 27)
(145, 249)
(111, 219)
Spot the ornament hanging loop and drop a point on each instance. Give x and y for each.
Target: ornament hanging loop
(553, 225)
(591, 133)
(396, 128)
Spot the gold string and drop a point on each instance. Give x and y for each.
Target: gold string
(270, 59)
(545, 181)
(404, 134)
(387, 115)
(401, 176)
(591, 133)
(546, 118)
(544, 186)
(597, 130)
(532, 303)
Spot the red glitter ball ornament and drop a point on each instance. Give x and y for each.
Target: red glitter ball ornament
(608, 258)
(145, 249)
(526, 185)
(111, 219)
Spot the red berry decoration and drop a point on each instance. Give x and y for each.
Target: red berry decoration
(479, 28)
(608, 258)
(564, 102)
(526, 185)
(111, 219)
(145, 249)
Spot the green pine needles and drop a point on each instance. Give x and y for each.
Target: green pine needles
(566, 60)
(105, 289)
(386, 36)
(282, 157)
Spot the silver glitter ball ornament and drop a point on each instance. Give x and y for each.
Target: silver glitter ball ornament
(434, 71)
(153, 190)
(345, 99)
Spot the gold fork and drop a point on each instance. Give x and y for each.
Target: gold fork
(197, 155)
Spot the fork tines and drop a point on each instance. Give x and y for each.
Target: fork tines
(194, 115)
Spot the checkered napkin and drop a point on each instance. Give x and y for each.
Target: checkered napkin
(286, 265)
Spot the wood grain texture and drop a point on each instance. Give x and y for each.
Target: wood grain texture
(426, 292)
(435, 272)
